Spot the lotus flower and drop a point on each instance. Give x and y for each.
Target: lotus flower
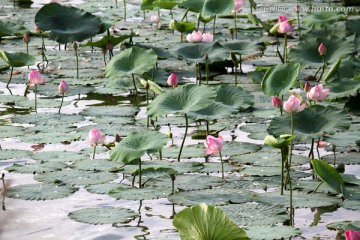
(26, 38)
(293, 104)
(286, 27)
(154, 18)
(352, 235)
(173, 80)
(94, 138)
(63, 87)
(322, 49)
(318, 93)
(213, 145)
(207, 37)
(237, 6)
(194, 37)
(35, 78)
(37, 28)
(283, 19)
(276, 102)
(323, 144)
(307, 87)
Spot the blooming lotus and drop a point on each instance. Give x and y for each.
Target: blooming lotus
(35, 78)
(173, 80)
(318, 93)
(286, 27)
(213, 145)
(282, 18)
(352, 235)
(293, 104)
(194, 37)
(322, 49)
(207, 37)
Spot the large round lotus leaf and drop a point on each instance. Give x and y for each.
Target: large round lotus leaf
(50, 129)
(212, 112)
(203, 222)
(350, 179)
(344, 225)
(94, 165)
(37, 167)
(235, 97)
(138, 194)
(322, 119)
(134, 60)
(183, 99)
(108, 215)
(217, 196)
(271, 232)
(66, 23)
(18, 59)
(321, 19)
(351, 204)
(245, 48)
(47, 119)
(42, 103)
(110, 111)
(271, 171)
(76, 177)
(212, 7)
(352, 26)
(300, 199)
(59, 156)
(39, 191)
(257, 131)
(102, 188)
(114, 40)
(195, 53)
(165, 4)
(186, 182)
(343, 88)
(193, 6)
(50, 137)
(250, 214)
(307, 53)
(11, 131)
(345, 140)
(136, 144)
(190, 151)
(345, 158)
(12, 98)
(279, 79)
(310, 185)
(238, 148)
(10, 29)
(179, 167)
(6, 154)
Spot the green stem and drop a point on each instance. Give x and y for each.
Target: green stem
(235, 26)
(94, 152)
(317, 149)
(222, 166)
(147, 103)
(11, 74)
(291, 205)
(133, 78)
(35, 97)
(285, 48)
(277, 49)
(172, 186)
(77, 63)
(298, 20)
(27, 50)
(104, 59)
(311, 153)
(292, 134)
(207, 70)
(139, 172)
(171, 14)
(323, 67)
(62, 101)
(186, 12)
(318, 187)
(240, 63)
(125, 10)
(183, 141)
(282, 171)
(214, 23)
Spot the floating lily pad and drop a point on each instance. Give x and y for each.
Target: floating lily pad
(109, 215)
(102, 188)
(48, 138)
(37, 167)
(8, 28)
(257, 131)
(42, 103)
(321, 19)
(252, 182)
(95, 165)
(271, 232)
(12, 99)
(59, 156)
(47, 119)
(179, 167)
(110, 111)
(216, 168)
(190, 151)
(250, 214)
(138, 194)
(76, 178)
(345, 158)
(39, 191)
(239, 148)
(11, 131)
(6, 154)
(344, 225)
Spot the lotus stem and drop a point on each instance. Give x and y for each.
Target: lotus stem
(183, 141)
(144, 15)
(116, 5)
(317, 187)
(285, 48)
(171, 14)
(207, 128)
(26, 89)
(298, 21)
(214, 23)
(186, 12)
(283, 159)
(292, 140)
(35, 97)
(236, 73)
(124, 10)
(93, 157)
(133, 78)
(198, 20)
(291, 205)
(139, 172)
(104, 59)
(235, 25)
(323, 67)
(11, 74)
(317, 149)
(241, 71)
(207, 68)
(334, 151)
(147, 103)
(27, 50)
(311, 153)
(43, 50)
(62, 101)
(77, 63)
(222, 166)
(277, 49)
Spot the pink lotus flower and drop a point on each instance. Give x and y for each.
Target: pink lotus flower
(95, 137)
(323, 144)
(318, 93)
(282, 18)
(293, 104)
(276, 102)
(194, 37)
(213, 145)
(322, 49)
(63, 87)
(26, 38)
(237, 6)
(173, 80)
(37, 28)
(352, 235)
(286, 27)
(307, 87)
(207, 37)
(154, 18)
(36, 78)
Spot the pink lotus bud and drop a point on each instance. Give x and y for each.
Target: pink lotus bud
(26, 38)
(35, 77)
(352, 235)
(63, 87)
(154, 18)
(283, 19)
(213, 145)
(286, 27)
(322, 49)
(318, 93)
(276, 102)
(307, 87)
(95, 137)
(323, 144)
(293, 104)
(173, 80)
(194, 37)
(37, 28)
(237, 6)
(207, 37)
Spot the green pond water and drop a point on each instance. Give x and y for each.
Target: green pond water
(53, 146)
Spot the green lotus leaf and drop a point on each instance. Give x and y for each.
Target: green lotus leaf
(8, 28)
(12, 98)
(352, 105)
(195, 53)
(18, 59)
(40, 192)
(110, 111)
(151, 172)
(183, 99)
(193, 6)
(278, 80)
(184, 26)
(322, 19)
(272, 232)
(147, 5)
(107, 215)
(11, 131)
(47, 119)
(94, 165)
(322, 119)
(37, 167)
(102, 188)
(212, 112)
(234, 97)
(307, 53)
(165, 4)
(66, 23)
(134, 60)
(343, 88)
(352, 25)
(6, 154)
(59, 156)
(179, 167)
(333, 71)
(344, 225)
(136, 144)
(212, 7)
(203, 222)
(114, 40)
(105, 24)
(138, 194)
(245, 48)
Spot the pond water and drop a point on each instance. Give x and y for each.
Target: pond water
(32, 135)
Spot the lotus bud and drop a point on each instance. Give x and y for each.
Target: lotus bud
(293, 104)
(173, 80)
(307, 87)
(276, 102)
(35, 77)
(172, 24)
(213, 145)
(110, 45)
(322, 49)
(95, 137)
(63, 87)
(147, 86)
(75, 45)
(234, 58)
(298, 8)
(117, 138)
(154, 18)
(103, 50)
(26, 38)
(37, 28)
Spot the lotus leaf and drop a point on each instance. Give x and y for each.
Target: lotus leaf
(203, 222)
(47, 119)
(235, 97)
(271, 232)
(6, 154)
(212, 7)
(165, 4)
(59, 156)
(345, 225)
(193, 6)
(18, 59)
(37, 168)
(322, 19)
(343, 88)
(8, 28)
(102, 188)
(138, 194)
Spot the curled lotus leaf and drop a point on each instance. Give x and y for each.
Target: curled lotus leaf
(17, 59)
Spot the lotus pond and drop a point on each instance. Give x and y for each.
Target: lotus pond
(275, 99)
